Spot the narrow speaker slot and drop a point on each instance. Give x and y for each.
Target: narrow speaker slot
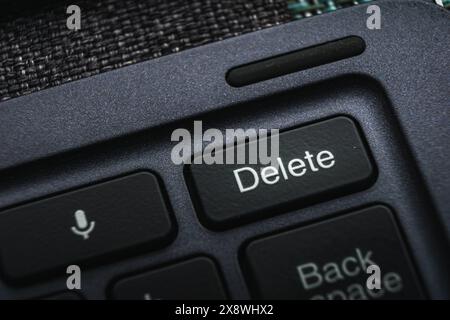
(295, 61)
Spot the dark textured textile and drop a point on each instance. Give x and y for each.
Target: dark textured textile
(38, 51)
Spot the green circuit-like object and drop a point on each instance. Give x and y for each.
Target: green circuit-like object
(306, 8)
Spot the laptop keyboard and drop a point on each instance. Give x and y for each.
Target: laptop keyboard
(130, 214)
(90, 223)
(88, 184)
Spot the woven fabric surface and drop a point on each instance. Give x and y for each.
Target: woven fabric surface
(37, 50)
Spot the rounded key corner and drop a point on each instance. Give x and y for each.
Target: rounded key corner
(348, 119)
(210, 223)
(371, 176)
(386, 210)
(166, 238)
(351, 122)
(204, 258)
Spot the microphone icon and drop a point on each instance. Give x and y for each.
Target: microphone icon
(83, 227)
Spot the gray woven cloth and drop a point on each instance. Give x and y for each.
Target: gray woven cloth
(37, 50)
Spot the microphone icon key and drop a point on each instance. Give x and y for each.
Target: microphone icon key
(83, 227)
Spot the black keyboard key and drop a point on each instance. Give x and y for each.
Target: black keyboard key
(316, 162)
(112, 217)
(195, 279)
(329, 260)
